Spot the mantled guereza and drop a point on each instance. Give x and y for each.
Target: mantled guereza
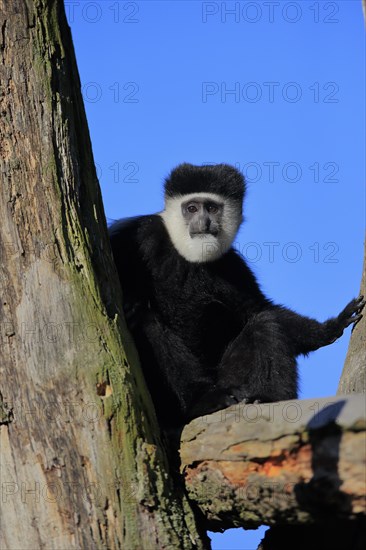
(206, 334)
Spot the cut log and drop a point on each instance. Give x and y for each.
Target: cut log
(292, 462)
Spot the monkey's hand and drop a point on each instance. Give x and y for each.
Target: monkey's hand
(351, 314)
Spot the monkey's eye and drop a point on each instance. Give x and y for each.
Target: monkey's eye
(192, 208)
(212, 208)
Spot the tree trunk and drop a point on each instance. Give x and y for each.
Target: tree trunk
(81, 461)
(353, 379)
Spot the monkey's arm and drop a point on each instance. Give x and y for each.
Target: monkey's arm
(305, 334)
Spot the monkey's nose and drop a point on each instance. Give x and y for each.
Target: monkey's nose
(205, 223)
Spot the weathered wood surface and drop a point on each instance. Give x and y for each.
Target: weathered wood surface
(353, 379)
(289, 462)
(81, 461)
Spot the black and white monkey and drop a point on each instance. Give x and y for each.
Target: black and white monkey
(206, 334)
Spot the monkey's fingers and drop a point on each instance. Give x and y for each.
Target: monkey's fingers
(352, 310)
(361, 303)
(355, 319)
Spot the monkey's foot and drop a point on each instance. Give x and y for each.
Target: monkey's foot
(218, 398)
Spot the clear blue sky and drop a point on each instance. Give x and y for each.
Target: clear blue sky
(276, 88)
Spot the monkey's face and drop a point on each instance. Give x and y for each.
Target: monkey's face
(202, 217)
(202, 226)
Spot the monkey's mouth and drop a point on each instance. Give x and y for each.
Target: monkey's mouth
(201, 234)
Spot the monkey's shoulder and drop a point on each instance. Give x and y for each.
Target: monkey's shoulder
(138, 240)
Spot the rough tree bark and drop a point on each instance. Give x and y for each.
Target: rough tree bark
(288, 462)
(298, 466)
(81, 462)
(353, 379)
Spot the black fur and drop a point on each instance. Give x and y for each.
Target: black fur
(206, 335)
(221, 179)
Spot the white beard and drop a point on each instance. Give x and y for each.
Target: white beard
(201, 248)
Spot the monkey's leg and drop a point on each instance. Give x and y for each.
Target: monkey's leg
(175, 377)
(258, 365)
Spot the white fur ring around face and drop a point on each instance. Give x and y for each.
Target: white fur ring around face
(201, 248)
